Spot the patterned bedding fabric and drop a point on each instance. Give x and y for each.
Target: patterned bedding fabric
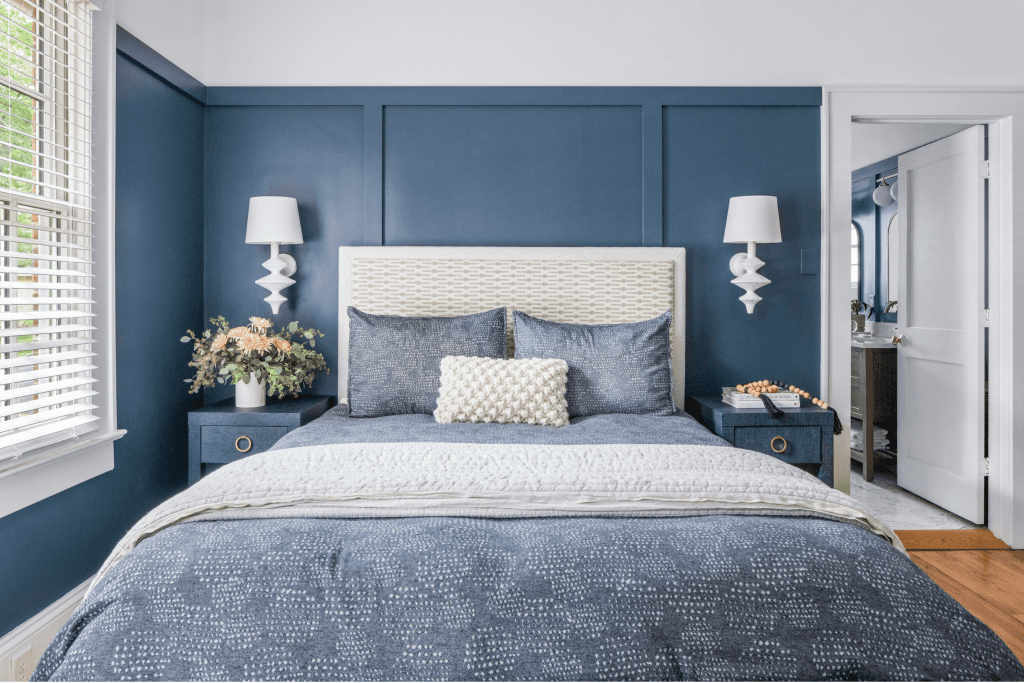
(265, 571)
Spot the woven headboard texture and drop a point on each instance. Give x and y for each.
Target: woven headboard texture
(571, 285)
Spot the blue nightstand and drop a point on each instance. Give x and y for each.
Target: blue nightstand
(221, 433)
(803, 436)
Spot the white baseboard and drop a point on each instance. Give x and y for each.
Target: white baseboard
(27, 642)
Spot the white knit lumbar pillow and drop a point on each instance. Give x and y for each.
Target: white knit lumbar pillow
(527, 390)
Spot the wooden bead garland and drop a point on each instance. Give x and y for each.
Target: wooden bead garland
(765, 386)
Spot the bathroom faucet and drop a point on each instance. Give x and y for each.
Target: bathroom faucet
(891, 306)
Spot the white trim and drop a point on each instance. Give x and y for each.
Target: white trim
(39, 478)
(104, 137)
(440, 255)
(37, 632)
(1003, 110)
(841, 442)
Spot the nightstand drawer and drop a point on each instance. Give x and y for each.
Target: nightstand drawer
(805, 432)
(227, 444)
(796, 445)
(214, 430)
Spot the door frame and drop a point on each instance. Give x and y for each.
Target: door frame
(1003, 111)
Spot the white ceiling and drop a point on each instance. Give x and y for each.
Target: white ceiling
(586, 42)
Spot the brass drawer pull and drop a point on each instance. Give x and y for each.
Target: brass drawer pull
(784, 444)
(249, 447)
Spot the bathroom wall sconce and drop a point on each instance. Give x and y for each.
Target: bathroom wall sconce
(884, 195)
(751, 219)
(275, 221)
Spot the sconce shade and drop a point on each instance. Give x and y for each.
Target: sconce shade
(883, 195)
(753, 219)
(273, 219)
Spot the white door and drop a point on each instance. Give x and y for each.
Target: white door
(940, 315)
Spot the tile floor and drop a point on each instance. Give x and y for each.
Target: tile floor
(898, 508)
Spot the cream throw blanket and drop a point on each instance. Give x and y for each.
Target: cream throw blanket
(501, 480)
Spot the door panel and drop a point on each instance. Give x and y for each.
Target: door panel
(941, 302)
(935, 275)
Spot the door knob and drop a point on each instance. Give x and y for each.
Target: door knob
(897, 340)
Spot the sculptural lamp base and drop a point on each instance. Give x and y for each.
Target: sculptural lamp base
(280, 267)
(744, 267)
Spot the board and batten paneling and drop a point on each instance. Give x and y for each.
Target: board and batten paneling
(314, 154)
(513, 176)
(528, 167)
(712, 153)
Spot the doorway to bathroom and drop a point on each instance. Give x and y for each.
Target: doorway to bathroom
(1003, 113)
(926, 386)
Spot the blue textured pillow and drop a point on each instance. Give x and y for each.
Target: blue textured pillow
(394, 362)
(623, 368)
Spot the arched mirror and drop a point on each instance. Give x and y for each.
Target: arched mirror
(893, 257)
(855, 264)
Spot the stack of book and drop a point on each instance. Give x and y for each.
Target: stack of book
(736, 399)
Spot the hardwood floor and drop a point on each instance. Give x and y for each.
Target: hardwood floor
(988, 582)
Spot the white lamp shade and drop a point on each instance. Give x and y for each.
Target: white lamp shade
(273, 219)
(753, 219)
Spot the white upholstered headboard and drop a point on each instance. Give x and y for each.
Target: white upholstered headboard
(564, 284)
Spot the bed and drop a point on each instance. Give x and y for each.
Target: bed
(619, 547)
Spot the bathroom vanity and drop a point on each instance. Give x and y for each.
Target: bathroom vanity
(873, 385)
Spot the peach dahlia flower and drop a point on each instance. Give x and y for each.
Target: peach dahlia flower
(254, 342)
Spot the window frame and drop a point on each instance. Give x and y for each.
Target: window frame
(44, 472)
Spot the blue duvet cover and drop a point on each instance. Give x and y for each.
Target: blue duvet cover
(719, 597)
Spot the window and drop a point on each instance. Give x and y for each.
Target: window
(855, 260)
(46, 239)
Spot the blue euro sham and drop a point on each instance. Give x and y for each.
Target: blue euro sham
(394, 362)
(620, 368)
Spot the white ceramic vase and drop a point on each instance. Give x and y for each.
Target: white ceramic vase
(251, 395)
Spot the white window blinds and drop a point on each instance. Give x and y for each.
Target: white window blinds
(46, 257)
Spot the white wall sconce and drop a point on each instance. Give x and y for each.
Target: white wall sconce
(884, 194)
(275, 221)
(751, 219)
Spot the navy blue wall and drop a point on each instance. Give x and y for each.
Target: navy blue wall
(528, 166)
(513, 176)
(314, 154)
(713, 153)
(50, 547)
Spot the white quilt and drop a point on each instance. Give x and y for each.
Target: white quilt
(501, 480)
